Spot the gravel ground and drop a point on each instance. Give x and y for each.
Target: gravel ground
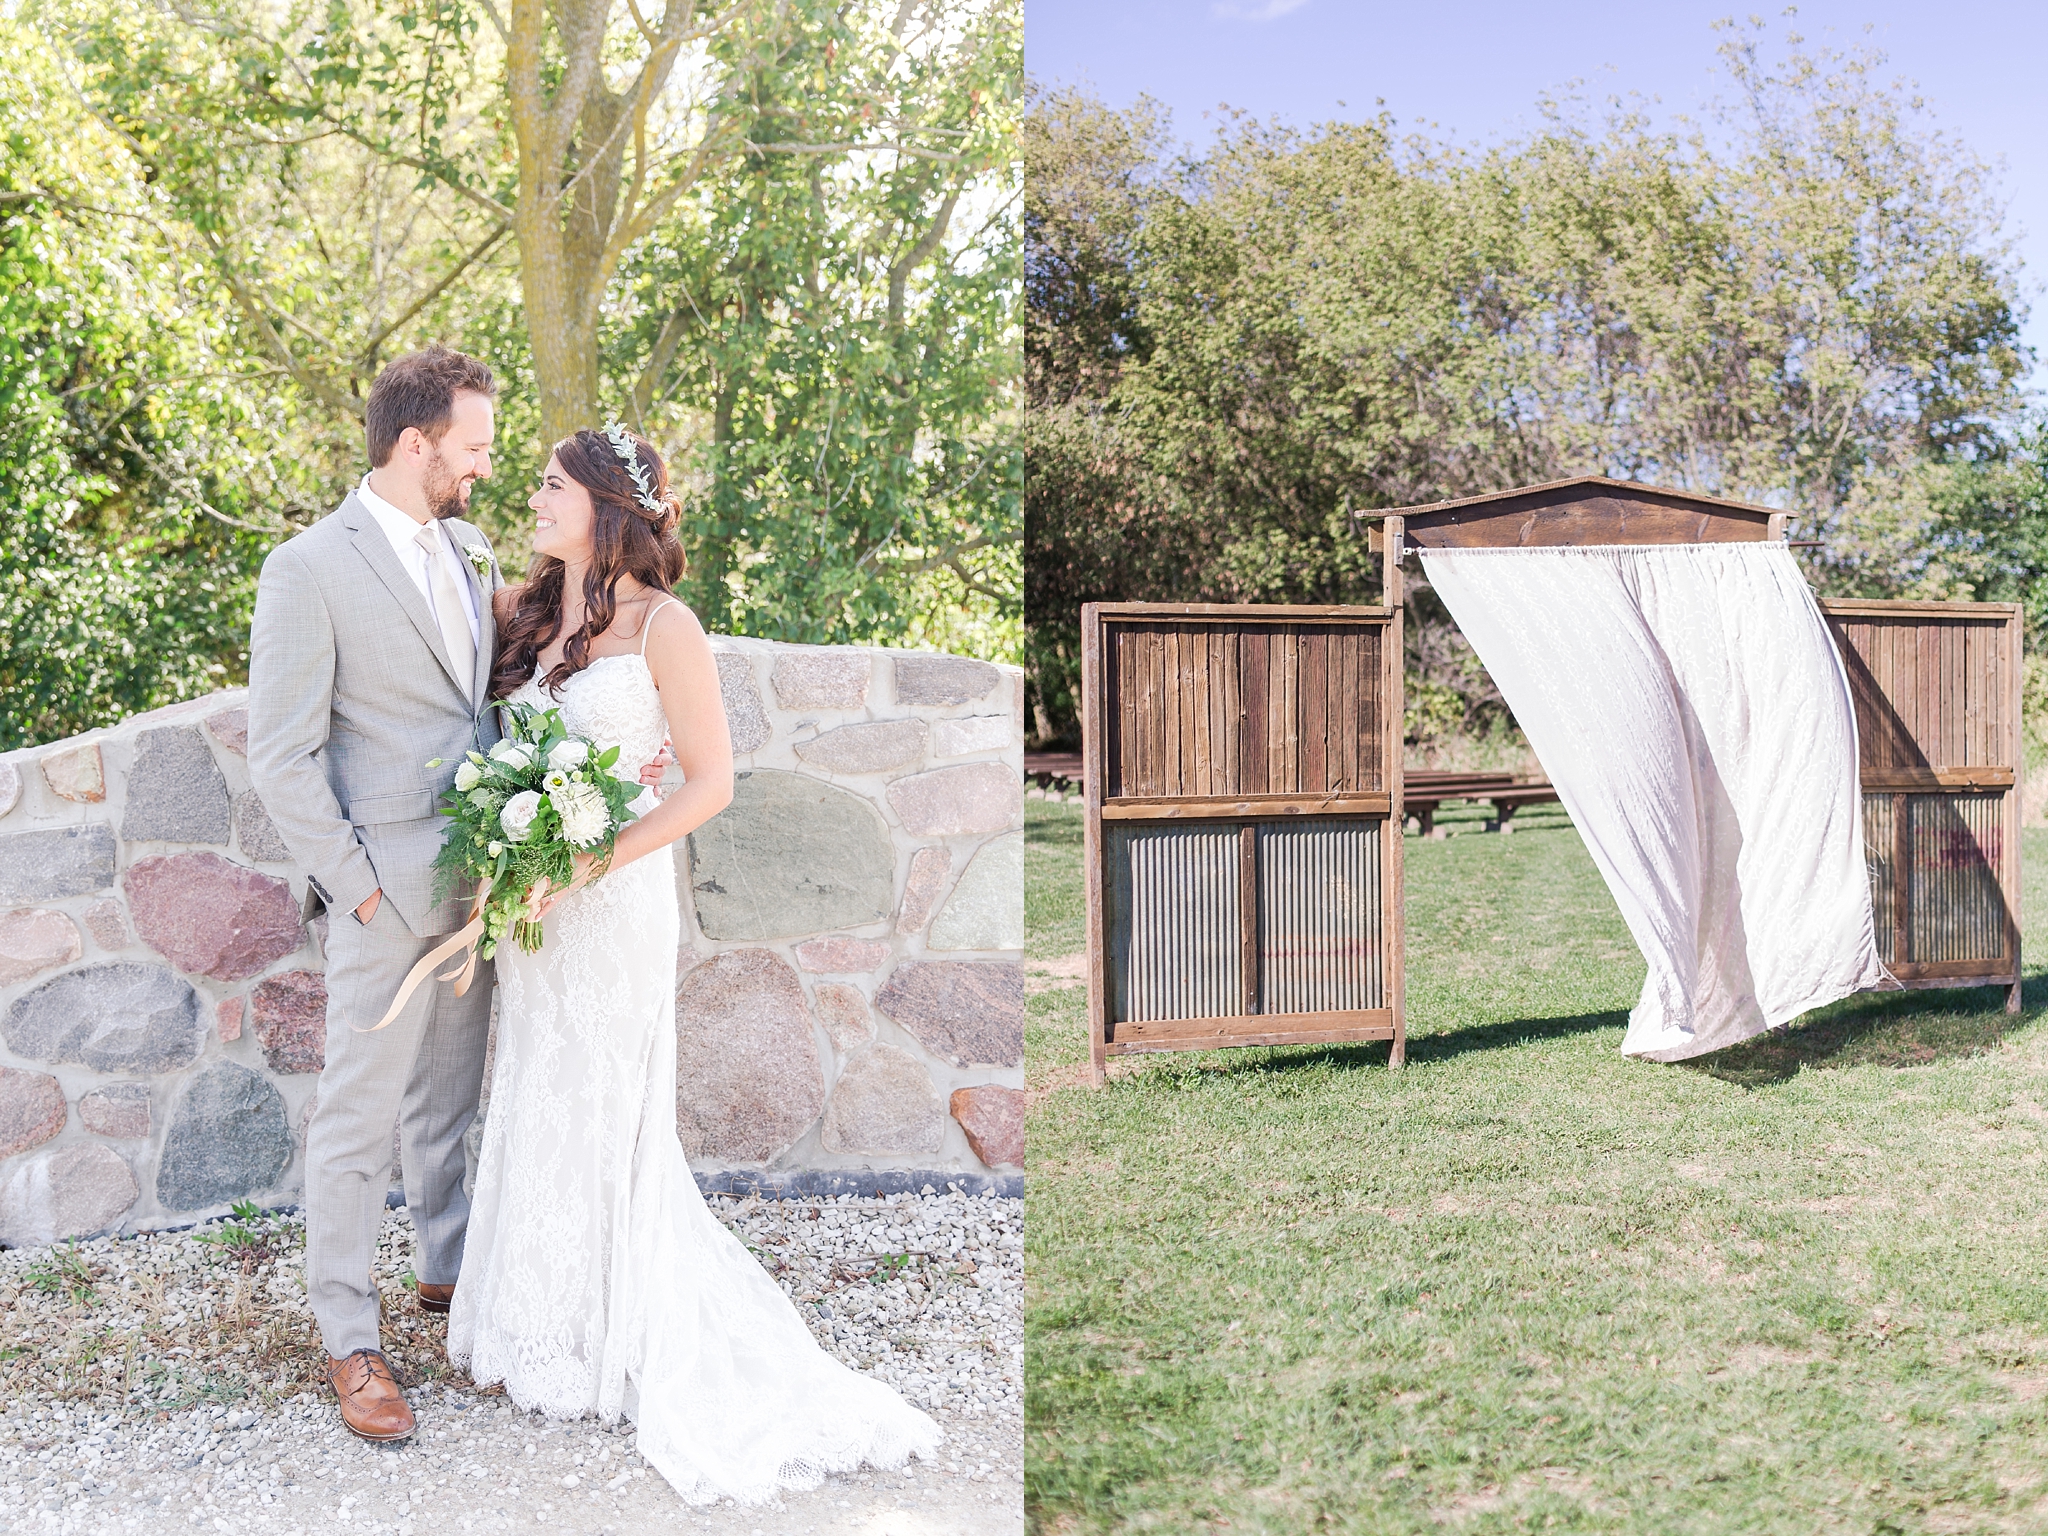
(172, 1382)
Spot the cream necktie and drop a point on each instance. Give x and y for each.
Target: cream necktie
(448, 609)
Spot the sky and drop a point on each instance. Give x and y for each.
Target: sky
(1476, 71)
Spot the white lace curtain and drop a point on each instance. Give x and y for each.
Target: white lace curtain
(1689, 705)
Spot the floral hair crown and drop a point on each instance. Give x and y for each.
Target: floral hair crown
(643, 488)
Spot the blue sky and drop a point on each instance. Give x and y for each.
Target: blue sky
(1476, 71)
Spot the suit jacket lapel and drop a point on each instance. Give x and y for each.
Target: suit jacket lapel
(377, 552)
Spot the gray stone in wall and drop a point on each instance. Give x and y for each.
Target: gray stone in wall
(969, 1011)
(869, 747)
(256, 833)
(74, 1191)
(943, 679)
(745, 717)
(883, 1102)
(821, 679)
(175, 790)
(229, 1137)
(10, 787)
(789, 856)
(986, 909)
(31, 1109)
(748, 1081)
(120, 1017)
(63, 861)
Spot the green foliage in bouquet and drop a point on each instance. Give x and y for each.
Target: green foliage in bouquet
(523, 811)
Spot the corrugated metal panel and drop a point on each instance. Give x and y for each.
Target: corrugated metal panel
(1175, 945)
(1878, 846)
(1957, 911)
(1319, 915)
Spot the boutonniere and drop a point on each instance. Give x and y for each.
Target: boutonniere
(479, 559)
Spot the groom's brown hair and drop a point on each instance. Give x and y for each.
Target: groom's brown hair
(419, 390)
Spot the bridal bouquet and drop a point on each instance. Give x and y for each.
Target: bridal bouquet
(522, 812)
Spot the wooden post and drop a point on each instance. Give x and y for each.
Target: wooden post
(1092, 766)
(1393, 946)
(1391, 532)
(2009, 861)
(1774, 530)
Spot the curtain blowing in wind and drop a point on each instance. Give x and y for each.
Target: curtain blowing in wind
(1689, 705)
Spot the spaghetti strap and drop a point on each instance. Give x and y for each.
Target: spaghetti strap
(647, 624)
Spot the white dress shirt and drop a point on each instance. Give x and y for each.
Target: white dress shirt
(404, 531)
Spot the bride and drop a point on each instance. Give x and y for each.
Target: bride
(594, 1278)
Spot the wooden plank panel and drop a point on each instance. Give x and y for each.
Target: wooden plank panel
(1239, 807)
(1315, 711)
(1232, 1030)
(1232, 781)
(1256, 722)
(1928, 702)
(1174, 703)
(1924, 779)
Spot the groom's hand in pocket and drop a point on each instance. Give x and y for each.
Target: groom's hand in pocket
(368, 909)
(652, 774)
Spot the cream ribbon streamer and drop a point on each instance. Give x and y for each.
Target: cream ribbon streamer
(467, 937)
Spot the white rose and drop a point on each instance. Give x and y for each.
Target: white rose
(567, 755)
(466, 776)
(512, 754)
(517, 817)
(585, 818)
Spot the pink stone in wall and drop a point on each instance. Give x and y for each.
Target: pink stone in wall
(77, 774)
(231, 729)
(31, 1109)
(291, 1021)
(839, 955)
(993, 1118)
(228, 1019)
(120, 1110)
(213, 918)
(105, 922)
(844, 1013)
(33, 939)
(979, 797)
(928, 867)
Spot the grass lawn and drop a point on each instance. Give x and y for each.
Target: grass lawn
(1526, 1283)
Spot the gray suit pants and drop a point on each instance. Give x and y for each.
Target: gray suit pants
(424, 1071)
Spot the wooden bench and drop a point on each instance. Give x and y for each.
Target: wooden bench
(1423, 792)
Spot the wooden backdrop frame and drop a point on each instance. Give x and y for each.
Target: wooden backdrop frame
(1109, 1037)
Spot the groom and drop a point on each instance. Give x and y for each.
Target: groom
(370, 656)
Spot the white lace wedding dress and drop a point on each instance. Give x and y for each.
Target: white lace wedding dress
(594, 1278)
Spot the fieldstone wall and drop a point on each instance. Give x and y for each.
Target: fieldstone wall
(850, 993)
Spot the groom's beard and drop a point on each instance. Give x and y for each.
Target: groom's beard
(446, 495)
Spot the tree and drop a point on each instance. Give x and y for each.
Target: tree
(136, 460)
(1325, 322)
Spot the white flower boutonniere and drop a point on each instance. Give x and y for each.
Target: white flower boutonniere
(480, 561)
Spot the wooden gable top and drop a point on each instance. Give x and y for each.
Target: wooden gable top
(1588, 509)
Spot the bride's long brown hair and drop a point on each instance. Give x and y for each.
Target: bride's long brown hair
(626, 539)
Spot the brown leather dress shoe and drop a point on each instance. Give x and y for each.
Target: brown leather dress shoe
(436, 1298)
(371, 1403)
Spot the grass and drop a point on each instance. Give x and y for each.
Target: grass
(1526, 1283)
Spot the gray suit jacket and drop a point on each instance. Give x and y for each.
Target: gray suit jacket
(351, 693)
